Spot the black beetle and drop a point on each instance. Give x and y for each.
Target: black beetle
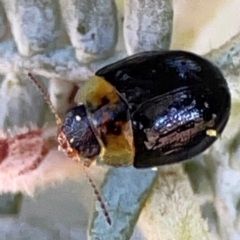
(150, 109)
(147, 110)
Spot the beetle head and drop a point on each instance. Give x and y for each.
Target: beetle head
(76, 138)
(76, 134)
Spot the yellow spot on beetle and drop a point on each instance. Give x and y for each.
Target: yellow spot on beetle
(211, 133)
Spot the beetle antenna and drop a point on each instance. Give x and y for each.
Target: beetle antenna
(59, 122)
(46, 97)
(99, 198)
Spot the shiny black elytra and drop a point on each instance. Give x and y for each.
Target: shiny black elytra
(150, 109)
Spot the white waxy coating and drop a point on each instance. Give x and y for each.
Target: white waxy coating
(21, 103)
(147, 25)
(91, 27)
(34, 24)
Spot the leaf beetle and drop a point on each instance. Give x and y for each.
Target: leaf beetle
(147, 110)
